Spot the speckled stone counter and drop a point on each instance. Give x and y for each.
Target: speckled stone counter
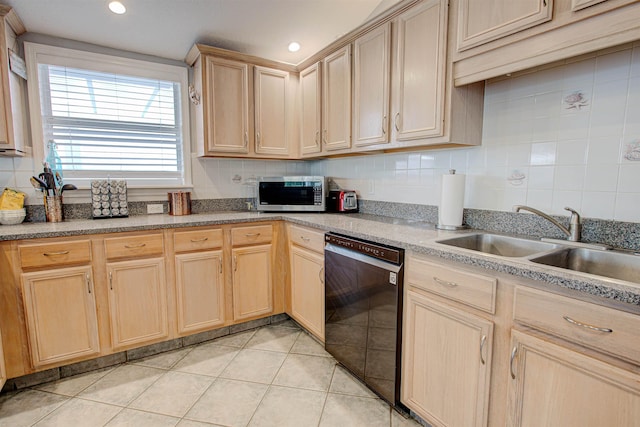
(416, 236)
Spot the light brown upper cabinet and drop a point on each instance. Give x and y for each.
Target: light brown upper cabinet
(223, 112)
(371, 67)
(13, 123)
(500, 37)
(311, 104)
(419, 70)
(243, 105)
(482, 21)
(271, 111)
(336, 100)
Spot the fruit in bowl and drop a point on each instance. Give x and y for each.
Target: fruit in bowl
(12, 216)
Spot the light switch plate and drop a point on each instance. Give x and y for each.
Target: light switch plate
(154, 208)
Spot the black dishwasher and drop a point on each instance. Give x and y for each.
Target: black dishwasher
(363, 311)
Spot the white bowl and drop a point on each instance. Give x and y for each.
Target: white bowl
(12, 217)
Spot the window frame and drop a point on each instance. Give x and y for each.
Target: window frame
(36, 53)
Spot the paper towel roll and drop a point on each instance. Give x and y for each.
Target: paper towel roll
(452, 200)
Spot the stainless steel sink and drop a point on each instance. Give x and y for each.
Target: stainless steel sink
(499, 245)
(614, 265)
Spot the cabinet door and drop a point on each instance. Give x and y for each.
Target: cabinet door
(480, 22)
(60, 309)
(271, 99)
(307, 290)
(225, 88)
(310, 92)
(137, 301)
(446, 363)
(252, 282)
(199, 291)
(418, 93)
(371, 67)
(554, 386)
(336, 100)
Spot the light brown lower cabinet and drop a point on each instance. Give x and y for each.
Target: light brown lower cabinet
(252, 281)
(137, 301)
(199, 290)
(446, 363)
(60, 310)
(552, 385)
(307, 289)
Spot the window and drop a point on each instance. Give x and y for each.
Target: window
(110, 116)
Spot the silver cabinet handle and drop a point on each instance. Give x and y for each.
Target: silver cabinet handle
(384, 124)
(317, 136)
(444, 282)
(513, 356)
(220, 264)
(235, 263)
(324, 137)
(55, 253)
(395, 121)
(204, 239)
(544, 3)
(111, 280)
(483, 341)
(321, 274)
(88, 282)
(252, 234)
(246, 139)
(305, 239)
(587, 326)
(258, 139)
(139, 245)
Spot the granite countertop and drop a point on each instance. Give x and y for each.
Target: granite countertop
(416, 236)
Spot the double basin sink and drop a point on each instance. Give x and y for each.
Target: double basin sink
(604, 263)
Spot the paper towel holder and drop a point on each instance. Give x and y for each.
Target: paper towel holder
(451, 227)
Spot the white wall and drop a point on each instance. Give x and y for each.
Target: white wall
(569, 152)
(568, 156)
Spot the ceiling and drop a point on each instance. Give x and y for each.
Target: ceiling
(168, 28)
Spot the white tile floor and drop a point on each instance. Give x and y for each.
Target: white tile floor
(273, 376)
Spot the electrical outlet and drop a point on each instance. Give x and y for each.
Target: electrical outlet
(154, 208)
(372, 187)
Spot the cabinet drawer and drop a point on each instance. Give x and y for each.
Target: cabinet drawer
(591, 325)
(55, 254)
(251, 235)
(307, 238)
(133, 246)
(185, 241)
(472, 289)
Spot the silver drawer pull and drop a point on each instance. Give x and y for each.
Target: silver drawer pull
(513, 356)
(139, 245)
(306, 239)
(55, 253)
(483, 341)
(252, 234)
(587, 326)
(204, 239)
(444, 282)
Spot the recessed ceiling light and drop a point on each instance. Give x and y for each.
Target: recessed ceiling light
(117, 7)
(294, 47)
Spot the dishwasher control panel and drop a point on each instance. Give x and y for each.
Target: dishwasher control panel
(375, 250)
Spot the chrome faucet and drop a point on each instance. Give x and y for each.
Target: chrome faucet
(573, 232)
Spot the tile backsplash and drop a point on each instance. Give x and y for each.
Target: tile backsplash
(567, 135)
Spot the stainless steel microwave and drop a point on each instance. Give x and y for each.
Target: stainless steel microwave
(291, 193)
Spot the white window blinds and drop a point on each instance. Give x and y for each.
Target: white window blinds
(108, 124)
